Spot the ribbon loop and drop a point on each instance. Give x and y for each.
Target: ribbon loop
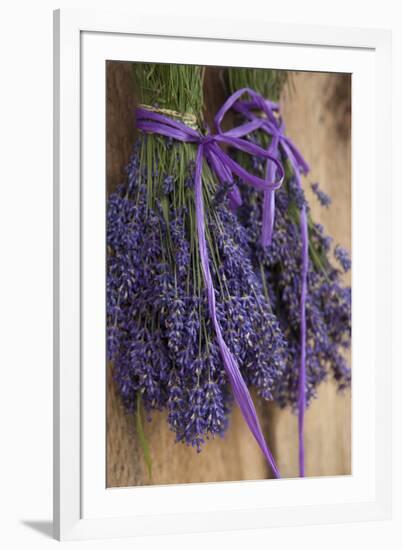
(266, 114)
(273, 125)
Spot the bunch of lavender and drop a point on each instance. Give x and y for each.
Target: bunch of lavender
(328, 307)
(160, 337)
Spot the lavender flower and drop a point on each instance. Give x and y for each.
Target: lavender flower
(168, 183)
(250, 328)
(328, 307)
(324, 199)
(342, 255)
(112, 341)
(296, 194)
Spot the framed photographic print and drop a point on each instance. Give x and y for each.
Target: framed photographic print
(219, 194)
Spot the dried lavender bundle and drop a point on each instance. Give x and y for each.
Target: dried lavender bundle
(328, 305)
(160, 336)
(267, 82)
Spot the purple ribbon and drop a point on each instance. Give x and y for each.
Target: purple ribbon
(224, 167)
(274, 126)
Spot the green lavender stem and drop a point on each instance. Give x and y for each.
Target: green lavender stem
(142, 438)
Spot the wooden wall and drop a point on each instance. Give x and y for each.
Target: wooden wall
(316, 109)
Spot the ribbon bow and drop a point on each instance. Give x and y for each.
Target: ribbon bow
(273, 125)
(267, 114)
(224, 167)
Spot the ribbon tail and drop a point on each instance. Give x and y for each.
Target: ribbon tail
(235, 199)
(243, 398)
(294, 155)
(268, 208)
(303, 332)
(239, 387)
(268, 217)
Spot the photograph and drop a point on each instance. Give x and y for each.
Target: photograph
(201, 275)
(228, 274)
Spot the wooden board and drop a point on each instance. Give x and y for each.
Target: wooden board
(317, 117)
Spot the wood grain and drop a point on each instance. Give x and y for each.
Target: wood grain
(319, 121)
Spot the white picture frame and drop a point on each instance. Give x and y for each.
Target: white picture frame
(83, 506)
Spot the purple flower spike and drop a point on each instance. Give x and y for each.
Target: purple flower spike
(324, 199)
(342, 255)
